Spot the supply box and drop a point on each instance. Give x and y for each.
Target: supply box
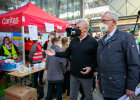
(20, 92)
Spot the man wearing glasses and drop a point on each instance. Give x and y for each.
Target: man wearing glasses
(118, 60)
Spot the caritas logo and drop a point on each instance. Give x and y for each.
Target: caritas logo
(10, 21)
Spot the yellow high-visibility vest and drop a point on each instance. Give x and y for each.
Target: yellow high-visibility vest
(13, 54)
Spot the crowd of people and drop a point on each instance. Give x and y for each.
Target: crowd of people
(72, 64)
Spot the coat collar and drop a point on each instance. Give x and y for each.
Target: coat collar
(114, 37)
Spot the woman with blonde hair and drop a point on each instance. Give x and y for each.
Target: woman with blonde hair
(66, 87)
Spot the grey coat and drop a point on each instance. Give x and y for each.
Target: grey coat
(118, 64)
(55, 66)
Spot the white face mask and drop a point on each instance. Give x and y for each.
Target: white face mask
(60, 45)
(49, 39)
(103, 27)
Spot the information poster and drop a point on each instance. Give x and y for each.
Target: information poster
(49, 27)
(33, 32)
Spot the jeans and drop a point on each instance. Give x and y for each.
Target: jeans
(105, 98)
(59, 90)
(86, 84)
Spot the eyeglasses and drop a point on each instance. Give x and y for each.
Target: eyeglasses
(103, 21)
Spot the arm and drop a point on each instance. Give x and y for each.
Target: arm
(16, 49)
(65, 54)
(63, 64)
(133, 64)
(2, 51)
(94, 64)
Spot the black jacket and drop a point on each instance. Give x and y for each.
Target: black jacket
(118, 64)
(83, 54)
(45, 45)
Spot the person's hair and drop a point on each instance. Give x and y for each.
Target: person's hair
(64, 40)
(112, 15)
(55, 40)
(39, 35)
(84, 22)
(34, 41)
(5, 38)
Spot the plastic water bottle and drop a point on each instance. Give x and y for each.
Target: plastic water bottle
(30, 68)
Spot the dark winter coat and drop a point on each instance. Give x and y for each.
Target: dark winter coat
(118, 64)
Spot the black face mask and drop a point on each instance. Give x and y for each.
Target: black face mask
(76, 32)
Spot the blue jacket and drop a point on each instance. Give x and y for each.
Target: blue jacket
(118, 64)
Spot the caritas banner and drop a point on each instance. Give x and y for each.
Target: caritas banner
(10, 21)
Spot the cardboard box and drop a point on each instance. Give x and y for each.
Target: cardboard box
(20, 92)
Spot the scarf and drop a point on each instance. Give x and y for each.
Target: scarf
(8, 46)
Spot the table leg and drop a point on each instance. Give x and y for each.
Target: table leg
(32, 80)
(6, 79)
(25, 80)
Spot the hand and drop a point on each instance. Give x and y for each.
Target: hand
(130, 93)
(87, 70)
(8, 57)
(27, 63)
(95, 74)
(50, 52)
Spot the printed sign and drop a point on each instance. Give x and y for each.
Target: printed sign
(33, 32)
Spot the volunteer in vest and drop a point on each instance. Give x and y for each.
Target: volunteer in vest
(28, 45)
(36, 56)
(8, 49)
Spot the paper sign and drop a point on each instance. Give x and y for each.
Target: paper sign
(33, 32)
(59, 27)
(49, 27)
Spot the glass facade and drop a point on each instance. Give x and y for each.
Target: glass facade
(75, 9)
(64, 9)
(94, 8)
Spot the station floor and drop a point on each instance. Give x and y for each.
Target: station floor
(96, 94)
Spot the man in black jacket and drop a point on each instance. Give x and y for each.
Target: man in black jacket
(82, 50)
(117, 59)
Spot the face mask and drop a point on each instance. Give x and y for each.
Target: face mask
(135, 37)
(60, 45)
(76, 32)
(7, 42)
(49, 39)
(103, 27)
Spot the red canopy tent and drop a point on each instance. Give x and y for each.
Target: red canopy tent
(18, 20)
(29, 15)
